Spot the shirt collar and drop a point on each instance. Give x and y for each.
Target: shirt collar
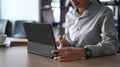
(91, 9)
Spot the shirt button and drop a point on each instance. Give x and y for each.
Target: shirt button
(78, 29)
(76, 40)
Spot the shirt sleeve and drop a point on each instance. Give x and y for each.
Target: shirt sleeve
(109, 44)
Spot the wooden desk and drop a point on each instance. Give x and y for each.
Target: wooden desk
(17, 56)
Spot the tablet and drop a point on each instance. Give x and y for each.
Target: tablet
(41, 39)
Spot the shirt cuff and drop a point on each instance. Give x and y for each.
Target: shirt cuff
(95, 49)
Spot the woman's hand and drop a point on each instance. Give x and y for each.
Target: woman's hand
(69, 53)
(61, 40)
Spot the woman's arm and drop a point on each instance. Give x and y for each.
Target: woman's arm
(109, 44)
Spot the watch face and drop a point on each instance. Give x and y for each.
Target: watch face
(89, 53)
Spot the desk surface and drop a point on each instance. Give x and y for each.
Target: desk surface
(17, 56)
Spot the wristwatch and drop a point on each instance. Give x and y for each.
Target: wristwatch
(88, 53)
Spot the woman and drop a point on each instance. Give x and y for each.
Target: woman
(89, 32)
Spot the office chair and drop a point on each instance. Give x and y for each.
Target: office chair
(3, 24)
(18, 30)
(9, 29)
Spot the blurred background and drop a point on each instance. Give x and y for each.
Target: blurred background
(13, 13)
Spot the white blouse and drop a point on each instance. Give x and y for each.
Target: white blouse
(94, 29)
